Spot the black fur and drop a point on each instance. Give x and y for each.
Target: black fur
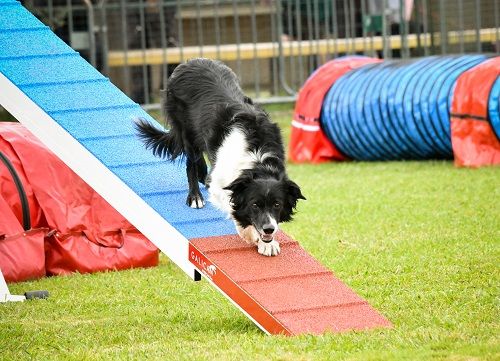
(204, 102)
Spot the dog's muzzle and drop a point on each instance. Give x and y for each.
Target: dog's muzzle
(268, 234)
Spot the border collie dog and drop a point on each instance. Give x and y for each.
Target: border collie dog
(209, 114)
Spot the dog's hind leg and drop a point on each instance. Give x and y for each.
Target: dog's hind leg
(202, 171)
(176, 111)
(194, 198)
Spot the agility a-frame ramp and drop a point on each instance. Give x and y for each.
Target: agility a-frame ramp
(87, 122)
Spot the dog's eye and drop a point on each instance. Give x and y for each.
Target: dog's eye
(277, 204)
(255, 206)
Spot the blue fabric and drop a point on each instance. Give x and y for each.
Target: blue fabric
(412, 111)
(494, 107)
(99, 116)
(357, 108)
(421, 106)
(393, 100)
(403, 107)
(388, 117)
(348, 120)
(368, 114)
(373, 104)
(329, 111)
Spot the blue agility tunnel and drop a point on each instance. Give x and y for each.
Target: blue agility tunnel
(396, 109)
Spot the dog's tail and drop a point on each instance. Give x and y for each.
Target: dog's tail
(164, 144)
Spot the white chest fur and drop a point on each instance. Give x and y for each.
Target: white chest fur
(232, 157)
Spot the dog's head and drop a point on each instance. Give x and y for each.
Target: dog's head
(263, 202)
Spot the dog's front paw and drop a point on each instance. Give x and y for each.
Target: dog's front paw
(195, 201)
(268, 248)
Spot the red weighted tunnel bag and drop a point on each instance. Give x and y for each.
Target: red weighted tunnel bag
(87, 234)
(21, 252)
(473, 139)
(22, 255)
(308, 143)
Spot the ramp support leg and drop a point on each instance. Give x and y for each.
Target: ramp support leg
(5, 295)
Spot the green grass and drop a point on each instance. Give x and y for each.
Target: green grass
(419, 240)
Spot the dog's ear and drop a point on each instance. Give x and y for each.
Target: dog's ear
(244, 117)
(293, 190)
(239, 183)
(293, 194)
(247, 100)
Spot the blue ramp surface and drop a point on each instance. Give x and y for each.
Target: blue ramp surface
(99, 116)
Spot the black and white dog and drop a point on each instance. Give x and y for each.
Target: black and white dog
(208, 113)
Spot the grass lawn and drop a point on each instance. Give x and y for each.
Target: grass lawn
(419, 240)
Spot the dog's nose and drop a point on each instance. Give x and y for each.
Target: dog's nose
(268, 229)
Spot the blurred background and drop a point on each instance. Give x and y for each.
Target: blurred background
(273, 45)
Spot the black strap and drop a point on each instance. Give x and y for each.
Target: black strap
(469, 116)
(20, 190)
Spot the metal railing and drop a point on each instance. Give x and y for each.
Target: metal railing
(273, 46)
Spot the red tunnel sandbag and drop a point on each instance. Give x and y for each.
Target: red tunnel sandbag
(21, 252)
(473, 140)
(22, 255)
(88, 234)
(8, 188)
(308, 143)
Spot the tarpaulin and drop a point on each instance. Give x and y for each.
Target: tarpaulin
(8, 188)
(22, 254)
(308, 143)
(87, 234)
(475, 116)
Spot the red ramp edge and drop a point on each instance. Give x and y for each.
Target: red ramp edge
(290, 294)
